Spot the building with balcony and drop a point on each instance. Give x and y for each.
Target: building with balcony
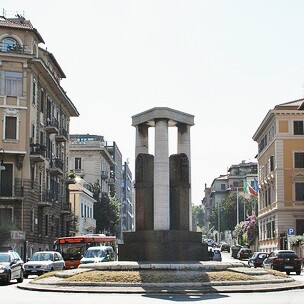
(36, 113)
(82, 206)
(280, 139)
(231, 183)
(127, 208)
(90, 159)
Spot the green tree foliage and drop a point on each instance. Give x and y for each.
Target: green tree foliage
(227, 211)
(197, 216)
(106, 211)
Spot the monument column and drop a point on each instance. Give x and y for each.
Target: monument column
(183, 146)
(183, 139)
(142, 139)
(161, 176)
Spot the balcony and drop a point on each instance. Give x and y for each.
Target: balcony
(65, 208)
(56, 166)
(37, 153)
(52, 125)
(62, 135)
(46, 198)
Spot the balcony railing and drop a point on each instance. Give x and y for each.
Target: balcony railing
(17, 49)
(56, 166)
(52, 125)
(38, 152)
(62, 135)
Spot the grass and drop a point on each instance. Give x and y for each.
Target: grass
(159, 276)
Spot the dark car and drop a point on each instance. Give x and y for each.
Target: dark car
(225, 247)
(11, 267)
(284, 260)
(257, 259)
(244, 253)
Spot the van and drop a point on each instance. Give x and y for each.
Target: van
(98, 254)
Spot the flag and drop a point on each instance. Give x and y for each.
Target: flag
(248, 189)
(256, 185)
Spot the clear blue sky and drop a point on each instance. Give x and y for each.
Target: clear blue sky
(226, 62)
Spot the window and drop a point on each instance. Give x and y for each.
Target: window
(298, 127)
(42, 98)
(223, 187)
(34, 98)
(299, 159)
(32, 220)
(299, 189)
(10, 127)
(77, 163)
(10, 83)
(299, 227)
(9, 44)
(6, 216)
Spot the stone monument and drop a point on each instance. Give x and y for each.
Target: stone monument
(162, 193)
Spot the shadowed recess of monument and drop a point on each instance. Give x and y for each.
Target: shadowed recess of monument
(162, 192)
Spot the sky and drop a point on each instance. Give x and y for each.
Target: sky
(226, 62)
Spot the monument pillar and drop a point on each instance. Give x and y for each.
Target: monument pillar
(162, 191)
(161, 176)
(183, 146)
(142, 139)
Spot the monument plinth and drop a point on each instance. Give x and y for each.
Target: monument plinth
(162, 193)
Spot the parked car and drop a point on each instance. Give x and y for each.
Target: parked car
(256, 260)
(11, 267)
(234, 250)
(217, 256)
(284, 260)
(42, 262)
(98, 254)
(225, 247)
(244, 253)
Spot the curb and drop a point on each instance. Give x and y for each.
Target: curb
(193, 288)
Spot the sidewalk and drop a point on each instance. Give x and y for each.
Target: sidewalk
(262, 280)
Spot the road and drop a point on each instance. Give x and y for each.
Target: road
(12, 295)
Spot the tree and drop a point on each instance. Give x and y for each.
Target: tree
(197, 217)
(106, 211)
(226, 211)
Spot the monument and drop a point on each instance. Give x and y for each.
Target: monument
(162, 193)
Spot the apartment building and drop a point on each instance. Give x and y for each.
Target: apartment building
(36, 114)
(280, 138)
(82, 206)
(231, 183)
(90, 159)
(127, 209)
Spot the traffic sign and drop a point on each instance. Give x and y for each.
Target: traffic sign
(290, 231)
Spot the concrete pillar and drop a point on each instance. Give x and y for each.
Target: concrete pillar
(142, 139)
(183, 146)
(161, 176)
(183, 139)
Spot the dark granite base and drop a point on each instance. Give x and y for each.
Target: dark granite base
(162, 245)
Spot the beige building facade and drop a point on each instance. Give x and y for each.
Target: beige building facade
(35, 116)
(280, 139)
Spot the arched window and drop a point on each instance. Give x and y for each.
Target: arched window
(9, 44)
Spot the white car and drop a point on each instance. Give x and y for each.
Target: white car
(98, 254)
(42, 262)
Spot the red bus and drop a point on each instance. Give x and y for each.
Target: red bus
(72, 248)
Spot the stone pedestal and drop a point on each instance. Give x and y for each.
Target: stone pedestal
(161, 245)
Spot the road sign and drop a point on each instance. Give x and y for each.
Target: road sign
(290, 231)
